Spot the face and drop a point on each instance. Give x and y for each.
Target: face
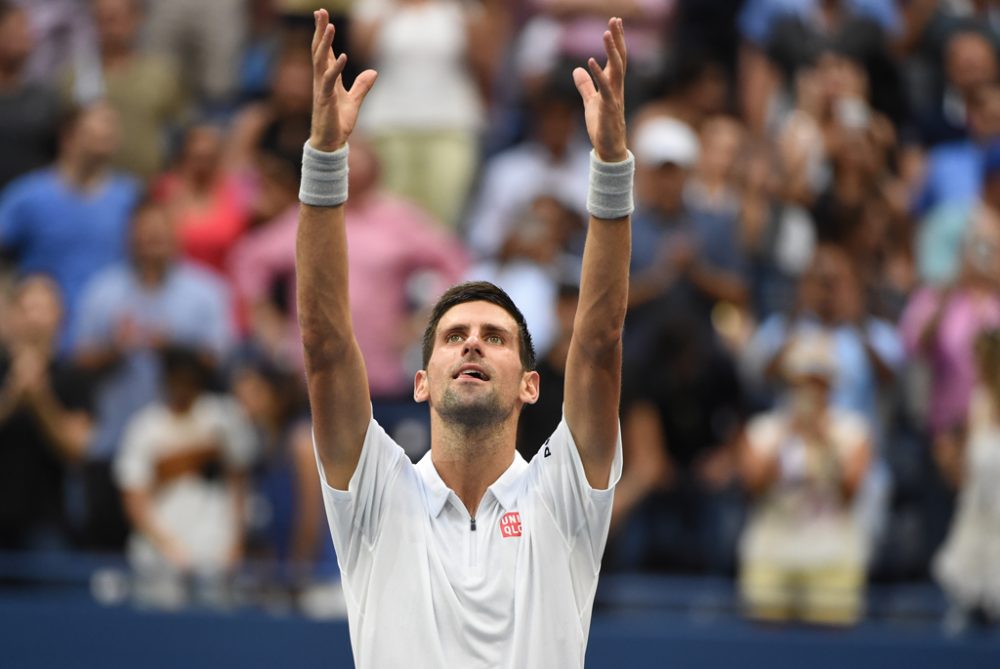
(38, 309)
(970, 61)
(474, 378)
(16, 40)
(721, 140)
(95, 133)
(117, 21)
(661, 187)
(291, 88)
(153, 237)
(202, 151)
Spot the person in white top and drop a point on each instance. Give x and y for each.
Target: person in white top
(473, 557)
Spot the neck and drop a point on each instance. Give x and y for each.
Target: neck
(113, 55)
(82, 173)
(470, 460)
(151, 274)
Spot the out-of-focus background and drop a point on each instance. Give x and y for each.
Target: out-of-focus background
(811, 409)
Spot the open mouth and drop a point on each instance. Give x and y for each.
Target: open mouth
(470, 372)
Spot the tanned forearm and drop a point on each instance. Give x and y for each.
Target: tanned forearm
(335, 370)
(593, 365)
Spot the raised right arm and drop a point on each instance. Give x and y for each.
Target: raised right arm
(335, 371)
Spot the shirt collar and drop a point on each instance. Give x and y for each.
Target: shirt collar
(506, 489)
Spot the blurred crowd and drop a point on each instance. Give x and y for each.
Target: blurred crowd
(812, 350)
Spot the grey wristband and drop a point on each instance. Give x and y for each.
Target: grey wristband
(324, 177)
(611, 186)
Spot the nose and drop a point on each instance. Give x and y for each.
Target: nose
(472, 343)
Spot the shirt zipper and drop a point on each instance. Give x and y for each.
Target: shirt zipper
(472, 542)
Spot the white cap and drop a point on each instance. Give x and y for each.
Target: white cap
(666, 140)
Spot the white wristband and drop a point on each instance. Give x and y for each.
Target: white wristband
(611, 186)
(324, 177)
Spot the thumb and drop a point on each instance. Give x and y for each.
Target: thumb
(362, 84)
(584, 83)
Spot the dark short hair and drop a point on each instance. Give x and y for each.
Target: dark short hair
(479, 291)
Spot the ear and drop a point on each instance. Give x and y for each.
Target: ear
(421, 389)
(530, 385)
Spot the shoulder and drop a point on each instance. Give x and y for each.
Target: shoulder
(33, 184)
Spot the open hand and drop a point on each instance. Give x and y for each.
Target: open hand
(335, 109)
(604, 105)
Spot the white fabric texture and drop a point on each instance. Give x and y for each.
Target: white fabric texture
(424, 589)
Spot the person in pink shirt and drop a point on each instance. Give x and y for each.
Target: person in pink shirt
(394, 247)
(207, 202)
(941, 324)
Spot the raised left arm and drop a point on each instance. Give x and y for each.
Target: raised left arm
(593, 367)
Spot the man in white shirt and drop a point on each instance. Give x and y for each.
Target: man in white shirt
(473, 557)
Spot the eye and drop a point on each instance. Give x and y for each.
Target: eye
(453, 338)
(495, 339)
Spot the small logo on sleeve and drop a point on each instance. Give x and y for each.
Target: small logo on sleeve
(510, 525)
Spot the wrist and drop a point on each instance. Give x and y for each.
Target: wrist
(611, 187)
(324, 176)
(326, 145)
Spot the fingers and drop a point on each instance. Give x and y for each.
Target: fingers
(322, 19)
(617, 28)
(616, 66)
(332, 75)
(584, 83)
(362, 84)
(603, 83)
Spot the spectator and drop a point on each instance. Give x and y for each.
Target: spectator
(207, 202)
(29, 110)
(392, 243)
(940, 324)
(281, 119)
(552, 162)
(182, 469)
(966, 566)
(677, 507)
(544, 247)
(969, 63)
(128, 314)
(866, 350)
(70, 220)
(143, 88)
(939, 249)
(435, 59)
(802, 555)
(207, 38)
(289, 537)
(953, 174)
(571, 30)
(678, 258)
(45, 420)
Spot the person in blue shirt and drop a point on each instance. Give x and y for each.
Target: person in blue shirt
(70, 220)
(128, 313)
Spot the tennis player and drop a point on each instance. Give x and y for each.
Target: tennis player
(473, 557)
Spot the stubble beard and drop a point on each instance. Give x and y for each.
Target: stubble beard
(473, 414)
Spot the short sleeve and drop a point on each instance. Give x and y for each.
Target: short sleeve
(134, 464)
(356, 513)
(581, 512)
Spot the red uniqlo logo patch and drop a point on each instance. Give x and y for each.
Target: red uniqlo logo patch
(510, 525)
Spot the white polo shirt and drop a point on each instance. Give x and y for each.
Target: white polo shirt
(428, 586)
